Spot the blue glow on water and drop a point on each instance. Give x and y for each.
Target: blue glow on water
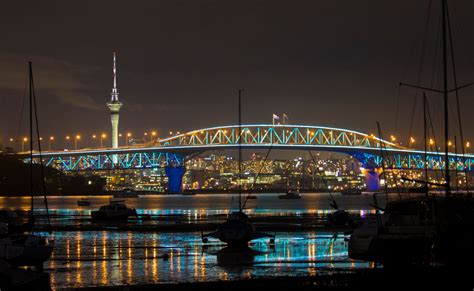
(94, 258)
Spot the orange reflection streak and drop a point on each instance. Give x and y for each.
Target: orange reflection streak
(129, 261)
(94, 261)
(78, 262)
(94, 248)
(68, 255)
(203, 268)
(155, 262)
(178, 260)
(104, 257)
(146, 260)
(104, 272)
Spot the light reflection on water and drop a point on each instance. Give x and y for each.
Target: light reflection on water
(93, 258)
(198, 208)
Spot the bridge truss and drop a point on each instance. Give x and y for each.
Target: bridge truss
(173, 150)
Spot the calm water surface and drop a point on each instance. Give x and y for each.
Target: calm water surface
(93, 258)
(113, 258)
(266, 204)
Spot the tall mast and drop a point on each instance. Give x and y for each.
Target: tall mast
(240, 150)
(445, 97)
(31, 135)
(425, 137)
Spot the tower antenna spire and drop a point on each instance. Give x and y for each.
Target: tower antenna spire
(114, 105)
(114, 89)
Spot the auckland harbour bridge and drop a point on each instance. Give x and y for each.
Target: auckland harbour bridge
(171, 152)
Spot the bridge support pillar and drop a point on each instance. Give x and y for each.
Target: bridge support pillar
(175, 179)
(372, 179)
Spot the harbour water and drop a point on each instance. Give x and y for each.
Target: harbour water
(111, 257)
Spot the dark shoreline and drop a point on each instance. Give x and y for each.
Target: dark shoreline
(369, 279)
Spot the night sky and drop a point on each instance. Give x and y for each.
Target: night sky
(180, 63)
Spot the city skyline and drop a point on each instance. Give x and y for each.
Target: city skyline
(167, 81)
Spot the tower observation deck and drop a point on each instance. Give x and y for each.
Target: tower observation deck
(114, 105)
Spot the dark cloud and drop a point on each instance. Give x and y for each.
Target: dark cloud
(55, 77)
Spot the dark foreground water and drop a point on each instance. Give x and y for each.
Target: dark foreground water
(115, 258)
(109, 257)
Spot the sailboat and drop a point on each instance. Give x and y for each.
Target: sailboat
(238, 230)
(28, 249)
(425, 230)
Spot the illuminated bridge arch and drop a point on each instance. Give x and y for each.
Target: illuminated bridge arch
(172, 151)
(280, 136)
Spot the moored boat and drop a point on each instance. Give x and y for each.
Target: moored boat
(290, 194)
(115, 210)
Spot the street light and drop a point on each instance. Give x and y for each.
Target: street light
(129, 135)
(51, 139)
(153, 134)
(101, 138)
(25, 139)
(78, 137)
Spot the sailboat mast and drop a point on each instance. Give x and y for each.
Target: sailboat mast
(31, 135)
(445, 98)
(425, 136)
(240, 150)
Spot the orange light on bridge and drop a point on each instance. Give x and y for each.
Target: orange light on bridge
(468, 144)
(450, 143)
(393, 138)
(412, 140)
(129, 134)
(431, 141)
(68, 137)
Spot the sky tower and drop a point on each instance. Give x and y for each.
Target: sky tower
(114, 106)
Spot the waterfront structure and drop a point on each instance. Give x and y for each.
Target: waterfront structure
(170, 153)
(114, 105)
